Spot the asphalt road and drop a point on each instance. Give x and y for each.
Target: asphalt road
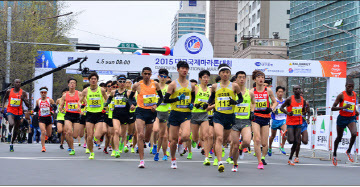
(28, 166)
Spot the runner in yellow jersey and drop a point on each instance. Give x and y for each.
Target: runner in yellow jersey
(60, 120)
(146, 110)
(160, 124)
(83, 120)
(95, 97)
(244, 113)
(224, 94)
(181, 95)
(108, 119)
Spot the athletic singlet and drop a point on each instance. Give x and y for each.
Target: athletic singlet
(201, 98)
(222, 99)
(95, 103)
(60, 115)
(183, 105)
(262, 102)
(147, 96)
(133, 111)
(15, 102)
(119, 105)
(72, 102)
(348, 100)
(242, 110)
(281, 115)
(211, 113)
(164, 107)
(296, 108)
(44, 107)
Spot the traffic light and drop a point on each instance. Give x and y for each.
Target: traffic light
(88, 46)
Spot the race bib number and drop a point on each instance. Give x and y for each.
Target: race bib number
(183, 103)
(279, 111)
(72, 106)
(119, 103)
(351, 108)
(149, 100)
(112, 104)
(223, 104)
(95, 102)
(297, 111)
(242, 109)
(261, 104)
(15, 102)
(45, 111)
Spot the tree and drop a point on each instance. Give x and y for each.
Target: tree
(29, 25)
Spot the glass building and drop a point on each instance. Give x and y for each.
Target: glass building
(310, 40)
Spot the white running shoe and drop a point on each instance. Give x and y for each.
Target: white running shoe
(142, 164)
(234, 169)
(241, 155)
(173, 164)
(181, 148)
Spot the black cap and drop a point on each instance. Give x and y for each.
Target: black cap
(122, 76)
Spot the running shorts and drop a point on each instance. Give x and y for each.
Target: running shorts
(277, 124)
(163, 116)
(94, 118)
(46, 120)
(240, 124)
(146, 115)
(262, 121)
(226, 120)
(199, 117)
(343, 121)
(73, 117)
(177, 118)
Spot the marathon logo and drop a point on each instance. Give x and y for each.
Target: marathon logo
(322, 139)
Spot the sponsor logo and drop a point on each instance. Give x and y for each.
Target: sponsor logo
(263, 64)
(322, 130)
(291, 70)
(297, 70)
(193, 45)
(300, 64)
(263, 70)
(257, 63)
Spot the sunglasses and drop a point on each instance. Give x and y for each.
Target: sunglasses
(108, 86)
(121, 81)
(43, 92)
(115, 87)
(163, 76)
(147, 73)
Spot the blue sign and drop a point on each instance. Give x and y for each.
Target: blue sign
(44, 60)
(192, 3)
(193, 45)
(257, 63)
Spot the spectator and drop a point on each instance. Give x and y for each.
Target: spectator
(36, 128)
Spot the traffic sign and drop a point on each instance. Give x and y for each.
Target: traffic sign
(129, 45)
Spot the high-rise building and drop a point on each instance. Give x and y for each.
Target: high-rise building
(191, 17)
(222, 27)
(263, 19)
(310, 40)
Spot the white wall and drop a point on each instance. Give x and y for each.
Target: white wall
(278, 18)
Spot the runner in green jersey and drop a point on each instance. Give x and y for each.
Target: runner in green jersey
(60, 118)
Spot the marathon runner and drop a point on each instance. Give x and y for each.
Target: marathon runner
(347, 117)
(60, 118)
(108, 117)
(295, 108)
(15, 97)
(45, 106)
(83, 119)
(304, 132)
(72, 116)
(146, 110)
(95, 97)
(244, 114)
(131, 122)
(199, 116)
(160, 124)
(279, 121)
(224, 94)
(260, 126)
(182, 94)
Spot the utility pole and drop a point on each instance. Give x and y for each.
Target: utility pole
(8, 47)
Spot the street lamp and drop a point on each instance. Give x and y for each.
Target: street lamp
(347, 32)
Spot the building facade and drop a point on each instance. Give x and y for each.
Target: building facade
(310, 40)
(191, 17)
(223, 27)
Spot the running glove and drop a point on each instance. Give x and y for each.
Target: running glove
(232, 101)
(205, 106)
(252, 116)
(276, 111)
(268, 110)
(197, 105)
(191, 106)
(181, 97)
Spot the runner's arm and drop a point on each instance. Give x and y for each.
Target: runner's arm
(338, 100)
(4, 100)
(103, 92)
(273, 99)
(36, 109)
(108, 101)
(253, 104)
(286, 103)
(132, 94)
(212, 95)
(239, 94)
(161, 97)
(169, 92)
(62, 103)
(26, 101)
(83, 95)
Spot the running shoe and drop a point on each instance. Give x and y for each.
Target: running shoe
(296, 160)
(99, 147)
(245, 150)
(151, 150)
(173, 164)
(112, 153)
(142, 164)
(223, 152)
(198, 146)
(261, 166)
(229, 160)
(202, 151)
(110, 148)
(241, 154)
(269, 152)
(291, 163)
(84, 145)
(235, 168)
(334, 161)
(211, 151)
(61, 147)
(351, 159)
(215, 162)
(193, 144)
(221, 168)
(72, 152)
(126, 149)
(132, 150)
(206, 162)
(79, 144)
(263, 160)
(87, 151)
(43, 149)
(69, 149)
(180, 148)
(168, 153)
(117, 154)
(92, 156)
(148, 145)
(254, 154)
(189, 156)
(156, 157)
(105, 151)
(210, 156)
(165, 158)
(282, 150)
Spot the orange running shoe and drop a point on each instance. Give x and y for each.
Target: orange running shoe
(334, 161)
(351, 159)
(290, 162)
(245, 150)
(43, 149)
(296, 160)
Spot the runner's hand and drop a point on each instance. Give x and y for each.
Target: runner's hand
(153, 108)
(232, 101)
(290, 113)
(132, 107)
(205, 106)
(197, 105)
(78, 109)
(308, 121)
(181, 97)
(252, 116)
(191, 106)
(347, 106)
(268, 110)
